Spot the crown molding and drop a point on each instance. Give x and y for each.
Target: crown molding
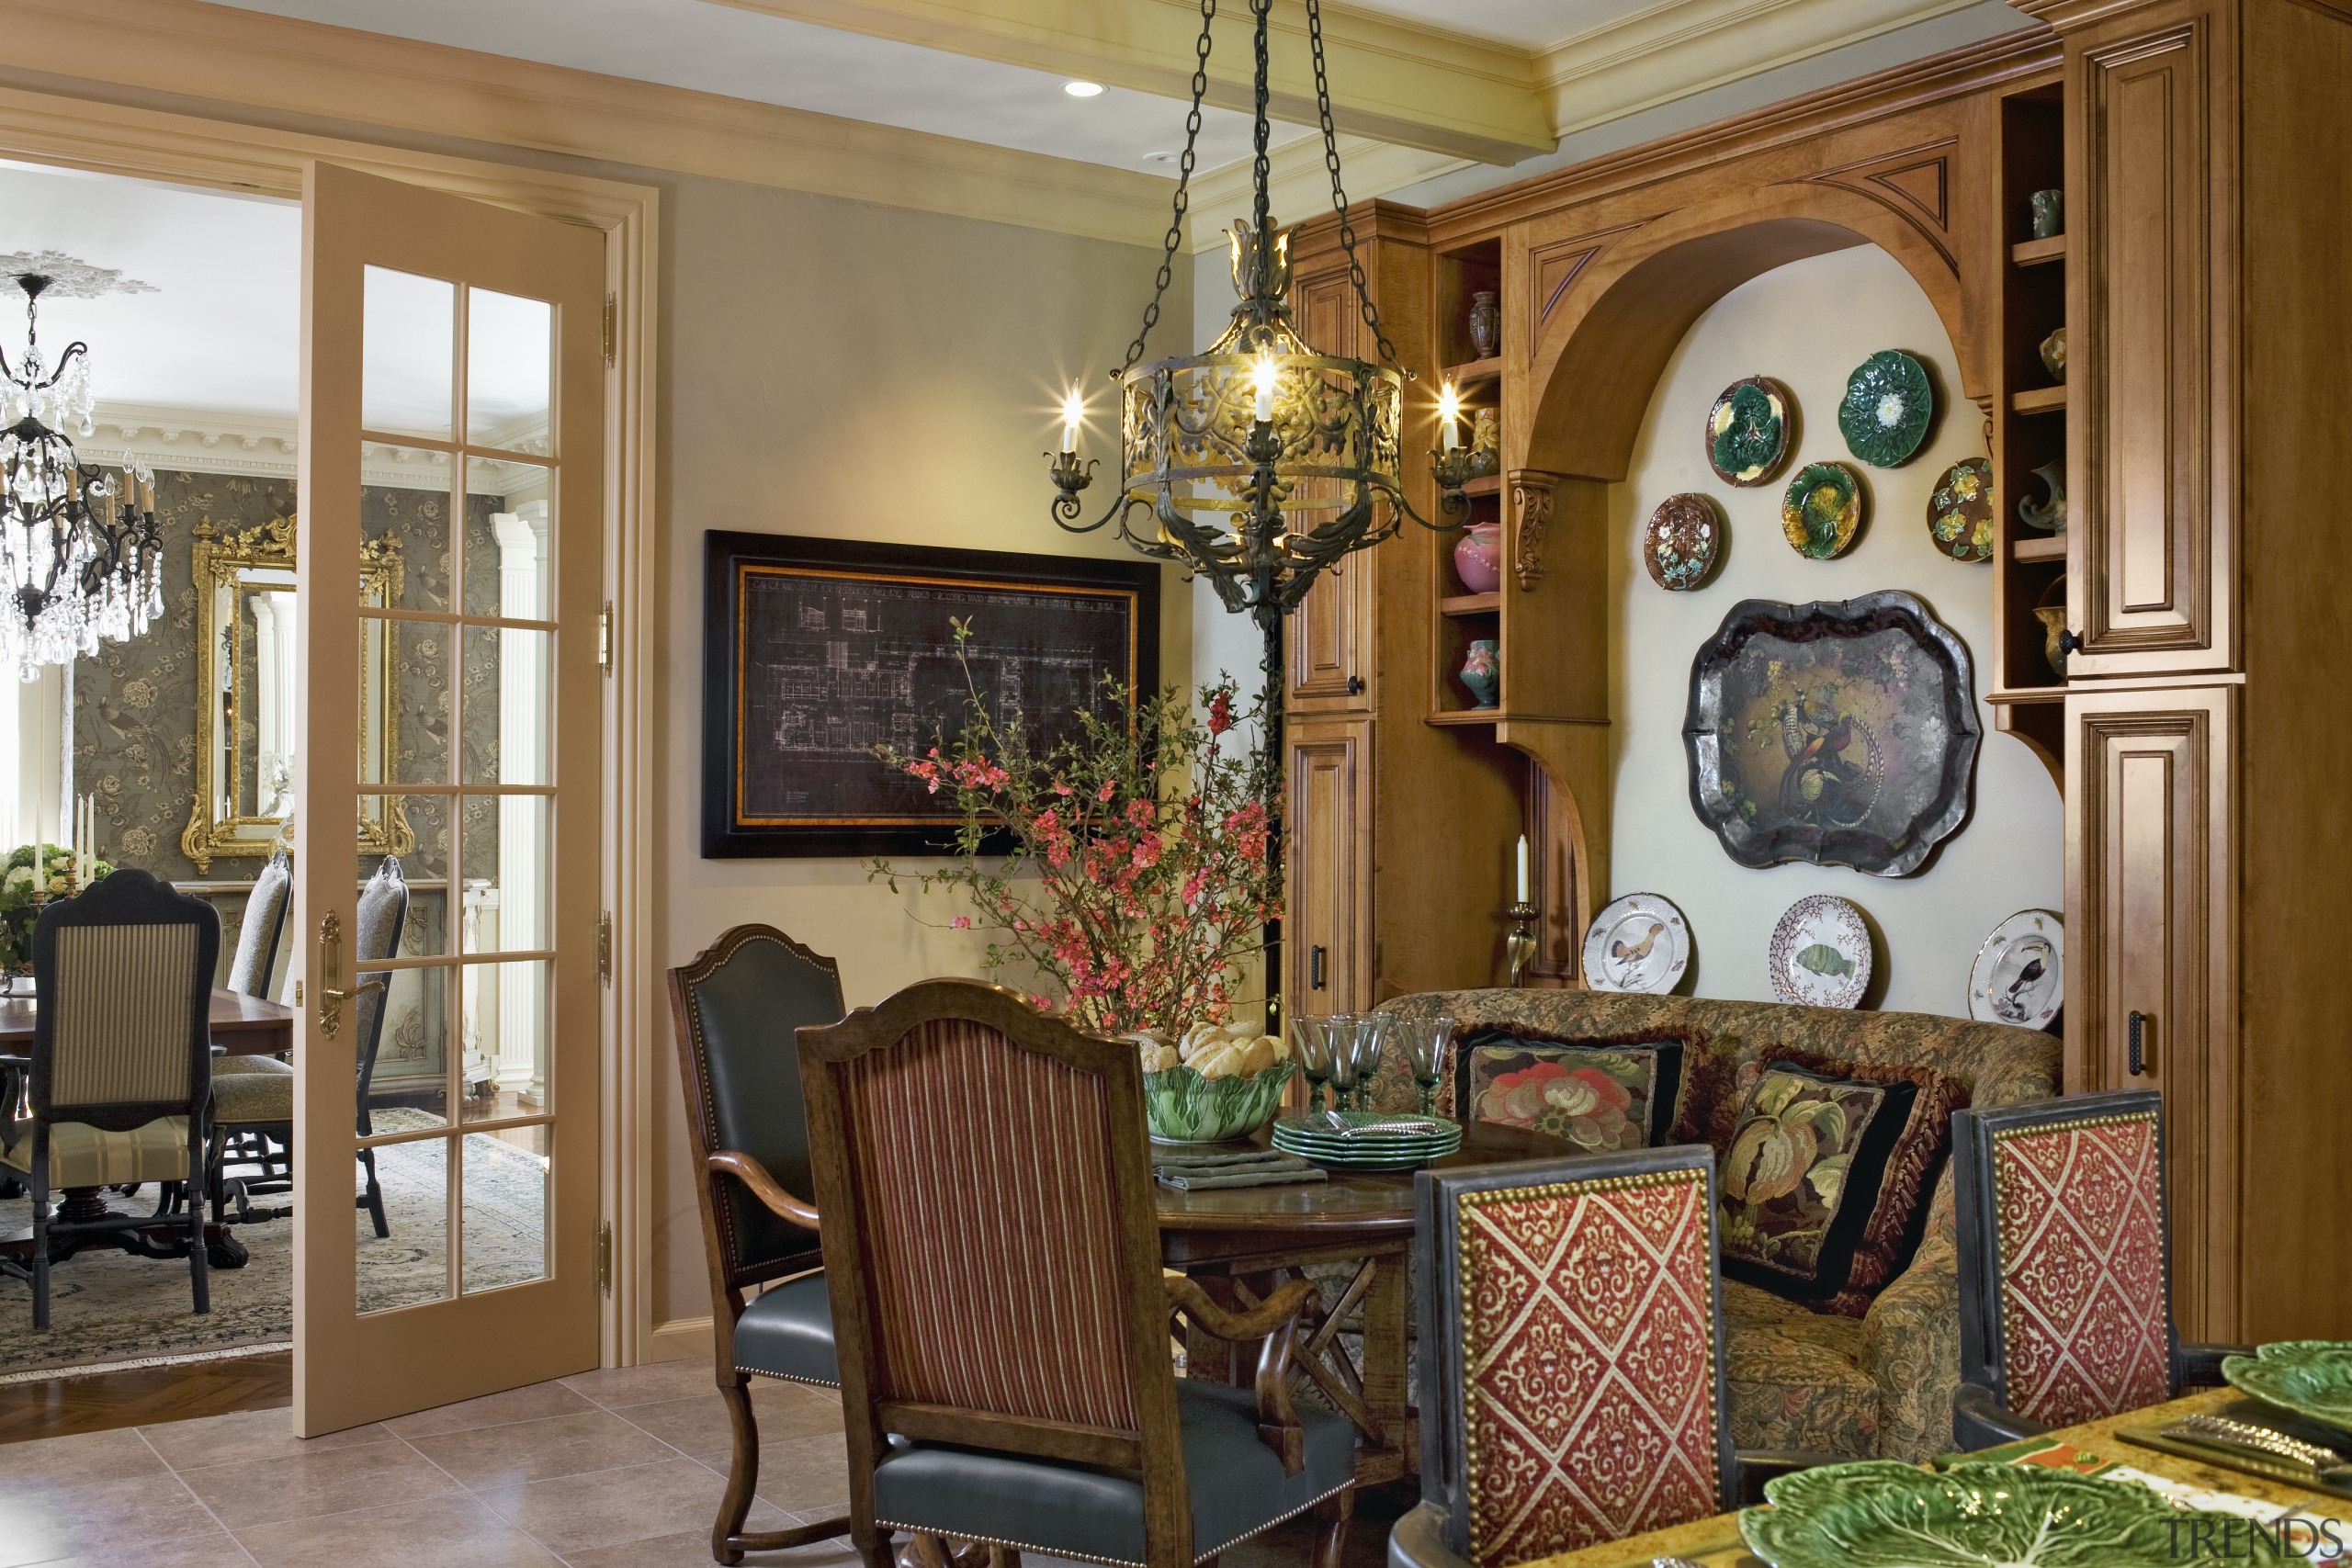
(248, 59)
(1300, 185)
(209, 441)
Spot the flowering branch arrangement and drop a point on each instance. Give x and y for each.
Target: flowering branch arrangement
(35, 873)
(1140, 872)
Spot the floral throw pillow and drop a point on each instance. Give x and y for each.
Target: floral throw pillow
(1802, 1175)
(1594, 1097)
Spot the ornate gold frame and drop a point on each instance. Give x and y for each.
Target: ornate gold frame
(213, 563)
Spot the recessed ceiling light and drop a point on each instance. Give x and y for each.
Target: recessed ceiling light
(1163, 157)
(1083, 89)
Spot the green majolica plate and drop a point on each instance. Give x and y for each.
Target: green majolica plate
(1885, 1513)
(1959, 512)
(2310, 1377)
(1887, 408)
(1748, 431)
(1823, 510)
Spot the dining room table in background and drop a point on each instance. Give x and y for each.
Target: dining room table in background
(242, 1025)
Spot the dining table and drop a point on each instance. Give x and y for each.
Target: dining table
(1715, 1542)
(1242, 1243)
(242, 1025)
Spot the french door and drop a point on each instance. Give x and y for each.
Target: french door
(452, 485)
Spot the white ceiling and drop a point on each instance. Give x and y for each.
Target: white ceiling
(716, 48)
(1529, 24)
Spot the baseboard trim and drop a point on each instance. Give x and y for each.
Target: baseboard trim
(678, 1338)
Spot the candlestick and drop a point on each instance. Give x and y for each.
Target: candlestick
(1522, 869)
(1519, 947)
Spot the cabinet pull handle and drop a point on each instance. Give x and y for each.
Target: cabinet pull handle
(2135, 1046)
(2068, 642)
(1355, 685)
(1314, 968)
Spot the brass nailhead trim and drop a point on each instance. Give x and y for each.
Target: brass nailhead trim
(1471, 1250)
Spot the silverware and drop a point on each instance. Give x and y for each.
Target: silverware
(2220, 1431)
(1673, 1563)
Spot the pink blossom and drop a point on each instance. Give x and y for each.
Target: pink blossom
(961, 923)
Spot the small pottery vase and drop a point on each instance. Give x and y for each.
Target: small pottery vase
(2049, 213)
(2053, 355)
(1482, 671)
(2052, 613)
(2049, 518)
(1486, 443)
(1478, 557)
(1485, 323)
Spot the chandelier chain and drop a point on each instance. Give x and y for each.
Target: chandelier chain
(1175, 238)
(1339, 192)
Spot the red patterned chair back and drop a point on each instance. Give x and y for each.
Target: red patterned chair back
(990, 1232)
(2065, 1285)
(1572, 1378)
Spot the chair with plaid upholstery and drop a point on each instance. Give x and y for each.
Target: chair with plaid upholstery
(991, 1239)
(120, 1072)
(2066, 1268)
(1571, 1358)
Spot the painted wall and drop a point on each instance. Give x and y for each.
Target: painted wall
(1807, 325)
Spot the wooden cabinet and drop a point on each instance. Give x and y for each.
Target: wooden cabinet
(1327, 934)
(2150, 998)
(2152, 332)
(1329, 634)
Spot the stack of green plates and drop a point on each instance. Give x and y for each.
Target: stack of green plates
(1370, 1140)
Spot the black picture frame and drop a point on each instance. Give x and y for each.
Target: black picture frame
(766, 796)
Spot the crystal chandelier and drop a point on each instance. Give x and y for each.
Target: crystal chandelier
(81, 558)
(1259, 463)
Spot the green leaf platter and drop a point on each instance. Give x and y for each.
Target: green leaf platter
(2310, 1377)
(1888, 406)
(1885, 1513)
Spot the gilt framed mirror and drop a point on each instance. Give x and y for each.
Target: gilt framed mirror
(248, 656)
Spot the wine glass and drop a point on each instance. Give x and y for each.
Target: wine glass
(1347, 1064)
(1313, 1043)
(1427, 1042)
(1371, 1035)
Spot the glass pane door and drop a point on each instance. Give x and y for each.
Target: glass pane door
(452, 476)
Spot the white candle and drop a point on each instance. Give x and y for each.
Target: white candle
(1449, 409)
(1523, 868)
(1264, 377)
(1073, 410)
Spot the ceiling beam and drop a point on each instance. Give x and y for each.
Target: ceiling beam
(1391, 80)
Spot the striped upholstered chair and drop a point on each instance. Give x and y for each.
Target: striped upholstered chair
(119, 1076)
(1572, 1358)
(2065, 1266)
(734, 1011)
(1004, 1324)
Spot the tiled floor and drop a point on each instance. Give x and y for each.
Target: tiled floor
(618, 1469)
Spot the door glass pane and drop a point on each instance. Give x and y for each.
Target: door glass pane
(510, 350)
(405, 545)
(406, 706)
(509, 531)
(505, 1212)
(410, 1086)
(506, 878)
(506, 671)
(415, 830)
(410, 1266)
(407, 348)
(508, 1075)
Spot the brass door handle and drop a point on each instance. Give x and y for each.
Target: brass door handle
(332, 992)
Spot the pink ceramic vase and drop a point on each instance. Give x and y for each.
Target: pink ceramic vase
(1478, 557)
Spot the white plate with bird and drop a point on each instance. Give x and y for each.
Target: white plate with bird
(2019, 976)
(1820, 954)
(1638, 943)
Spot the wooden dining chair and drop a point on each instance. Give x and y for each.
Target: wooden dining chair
(734, 1011)
(119, 1076)
(2065, 1266)
(991, 1242)
(1571, 1374)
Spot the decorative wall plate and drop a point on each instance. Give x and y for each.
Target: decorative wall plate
(1840, 732)
(1748, 431)
(1883, 1513)
(1820, 954)
(2019, 976)
(1959, 512)
(1683, 541)
(1823, 510)
(1637, 943)
(2310, 1377)
(1889, 404)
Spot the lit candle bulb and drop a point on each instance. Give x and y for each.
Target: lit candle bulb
(1523, 868)
(1262, 373)
(1073, 410)
(1449, 409)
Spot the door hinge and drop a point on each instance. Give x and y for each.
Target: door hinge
(612, 328)
(604, 948)
(604, 638)
(604, 1257)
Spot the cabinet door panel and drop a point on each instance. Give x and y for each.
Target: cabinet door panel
(2152, 342)
(1327, 938)
(2150, 841)
(1329, 634)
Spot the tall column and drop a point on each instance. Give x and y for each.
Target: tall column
(524, 821)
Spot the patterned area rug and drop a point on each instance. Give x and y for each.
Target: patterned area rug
(109, 1306)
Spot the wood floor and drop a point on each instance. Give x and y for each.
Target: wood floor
(141, 1397)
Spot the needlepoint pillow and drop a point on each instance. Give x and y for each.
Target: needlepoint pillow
(1596, 1095)
(1801, 1176)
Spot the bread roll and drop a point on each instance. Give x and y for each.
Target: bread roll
(1258, 1056)
(1219, 1061)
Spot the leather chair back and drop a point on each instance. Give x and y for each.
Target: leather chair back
(382, 912)
(2066, 1278)
(124, 973)
(736, 1008)
(1572, 1317)
(265, 921)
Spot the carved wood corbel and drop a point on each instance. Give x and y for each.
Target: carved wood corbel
(1530, 505)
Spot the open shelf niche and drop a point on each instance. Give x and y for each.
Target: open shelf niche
(1463, 616)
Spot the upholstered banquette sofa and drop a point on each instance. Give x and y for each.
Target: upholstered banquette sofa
(1876, 1384)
